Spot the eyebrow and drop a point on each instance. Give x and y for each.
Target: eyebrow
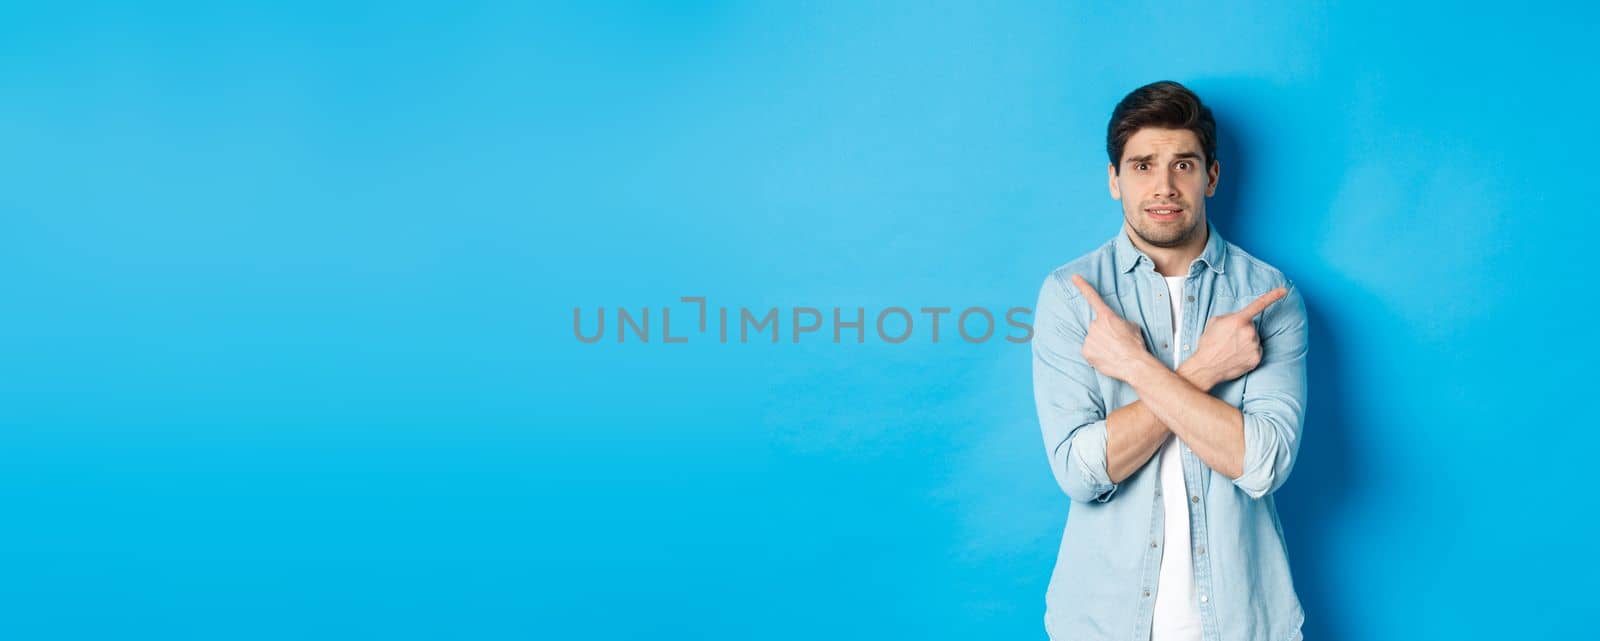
(1185, 155)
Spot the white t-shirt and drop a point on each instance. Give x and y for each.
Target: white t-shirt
(1177, 613)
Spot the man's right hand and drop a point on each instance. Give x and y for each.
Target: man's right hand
(1229, 347)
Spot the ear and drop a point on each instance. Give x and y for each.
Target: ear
(1111, 179)
(1211, 182)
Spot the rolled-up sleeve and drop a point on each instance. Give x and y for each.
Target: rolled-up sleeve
(1066, 391)
(1274, 403)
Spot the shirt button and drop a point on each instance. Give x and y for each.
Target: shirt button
(1186, 348)
(1203, 598)
(1191, 299)
(1152, 544)
(1194, 499)
(1147, 593)
(1160, 295)
(1201, 549)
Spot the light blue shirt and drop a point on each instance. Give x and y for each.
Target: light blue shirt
(1104, 584)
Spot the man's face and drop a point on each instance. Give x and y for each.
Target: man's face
(1163, 186)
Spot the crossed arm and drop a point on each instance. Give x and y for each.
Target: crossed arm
(1213, 429)
(1092, 450)
(1134, 433)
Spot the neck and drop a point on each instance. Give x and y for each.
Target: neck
(1172, 261)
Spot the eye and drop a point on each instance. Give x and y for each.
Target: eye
(1142, 166)
(1183, 165)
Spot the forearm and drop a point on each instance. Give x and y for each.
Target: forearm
(1134, 433)
(1213, 429)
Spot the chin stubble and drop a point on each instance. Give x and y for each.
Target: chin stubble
(1173, 242)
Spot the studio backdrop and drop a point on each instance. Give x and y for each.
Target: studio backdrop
(710, 320)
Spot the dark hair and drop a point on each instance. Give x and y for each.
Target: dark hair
(1164, 104)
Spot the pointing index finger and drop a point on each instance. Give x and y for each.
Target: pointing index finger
(1260, 304)
(1089, 294)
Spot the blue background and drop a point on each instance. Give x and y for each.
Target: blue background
(287, 347)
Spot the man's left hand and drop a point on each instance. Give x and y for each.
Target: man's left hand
(1113, 346)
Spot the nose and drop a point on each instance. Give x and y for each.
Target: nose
(1166, 187)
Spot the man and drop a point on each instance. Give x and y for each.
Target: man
(1169, 374)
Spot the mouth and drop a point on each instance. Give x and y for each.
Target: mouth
(1164, 213)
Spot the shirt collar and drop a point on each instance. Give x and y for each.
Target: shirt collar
(1127, 257)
